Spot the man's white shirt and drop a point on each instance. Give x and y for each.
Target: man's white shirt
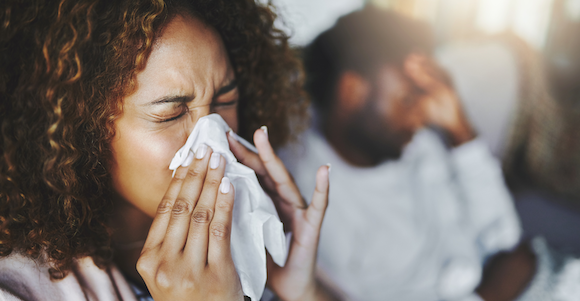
(416, 228)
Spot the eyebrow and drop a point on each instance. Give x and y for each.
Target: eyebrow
(227, 88)
(170, 99)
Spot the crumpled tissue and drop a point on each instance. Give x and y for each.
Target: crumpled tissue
(255, 222)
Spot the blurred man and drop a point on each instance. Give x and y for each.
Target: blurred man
(417, 202)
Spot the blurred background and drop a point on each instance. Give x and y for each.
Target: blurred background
(549, 26)
(516, 66)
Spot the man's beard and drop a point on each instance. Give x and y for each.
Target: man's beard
(372, 135)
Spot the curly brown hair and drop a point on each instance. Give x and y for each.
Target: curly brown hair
(64, 67)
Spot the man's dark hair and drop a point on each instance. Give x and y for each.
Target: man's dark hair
(362, 42)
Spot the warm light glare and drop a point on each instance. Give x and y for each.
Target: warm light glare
(531, 20)
(573, 9)
(460, 8)
(427, 10)
(493, 15)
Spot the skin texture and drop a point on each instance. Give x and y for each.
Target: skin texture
(189, 61)
(187, 220)
(373, 119)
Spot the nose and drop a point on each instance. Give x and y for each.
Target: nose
(192, 117)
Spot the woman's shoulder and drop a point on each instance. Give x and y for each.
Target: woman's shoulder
(25, 278)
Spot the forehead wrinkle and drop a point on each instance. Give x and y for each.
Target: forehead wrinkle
(205, 48)
(188, 59)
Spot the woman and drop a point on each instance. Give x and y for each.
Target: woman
(95, 99)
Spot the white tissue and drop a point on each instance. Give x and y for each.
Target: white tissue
(256, 224)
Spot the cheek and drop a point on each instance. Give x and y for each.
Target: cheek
(400, 108)
(230, 116)
(141, 172)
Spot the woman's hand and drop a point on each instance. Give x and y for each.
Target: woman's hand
(296, 280)
(187, 252)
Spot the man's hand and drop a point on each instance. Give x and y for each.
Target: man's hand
(438, 102)
(508, 274)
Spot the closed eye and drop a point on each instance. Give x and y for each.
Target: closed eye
(172, 118)
(184, 110)
(225, 104)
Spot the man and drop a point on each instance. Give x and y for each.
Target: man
(417, 202)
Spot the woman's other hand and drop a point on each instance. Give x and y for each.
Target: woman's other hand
(296, 280)
(187, 252)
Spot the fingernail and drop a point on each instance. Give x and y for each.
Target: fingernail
(188, 160)
(265, 129)
(214, 162)
(201, 150)
(225, 185)
(329, 167)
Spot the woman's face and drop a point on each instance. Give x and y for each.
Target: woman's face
(187, 76)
